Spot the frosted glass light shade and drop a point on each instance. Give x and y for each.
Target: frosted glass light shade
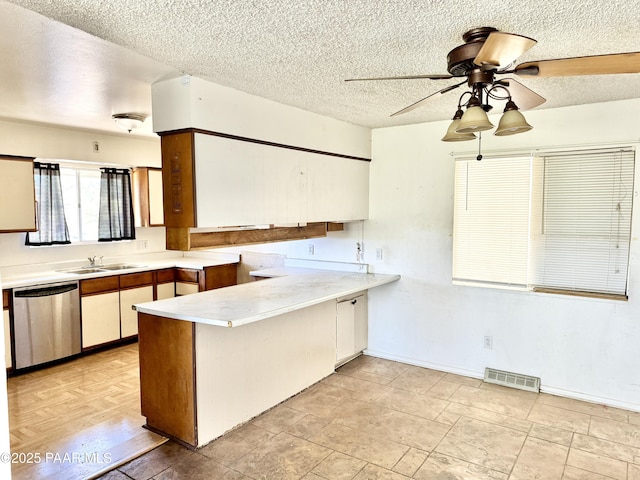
(474, 120)
(512, 122)
(453, 136)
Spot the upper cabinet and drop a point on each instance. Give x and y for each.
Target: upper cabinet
(147, 197)
(17, 195)
(216, 181)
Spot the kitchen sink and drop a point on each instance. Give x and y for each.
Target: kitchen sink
(83, 270)
(120, 266)
(101, 268)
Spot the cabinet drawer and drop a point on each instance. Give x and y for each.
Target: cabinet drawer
(132, 280)
(187, 275)
(168, 275)
(6, 294)
(92, 286)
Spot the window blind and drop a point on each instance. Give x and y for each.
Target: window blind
(581, 220)
(491, 221)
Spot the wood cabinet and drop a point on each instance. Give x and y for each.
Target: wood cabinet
(351, 326)
(6, 316)
(134, 288)
(211, 180)
(100, 310)
(190, 281)
(106, 302)
(17, 195)
(147, 197)
(165, 283)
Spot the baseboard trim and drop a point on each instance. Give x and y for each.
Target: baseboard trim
(551, 390)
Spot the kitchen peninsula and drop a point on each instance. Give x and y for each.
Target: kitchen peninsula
(213, 360)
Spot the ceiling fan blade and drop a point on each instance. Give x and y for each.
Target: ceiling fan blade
(500, 49)
(593, 65)
(419, 103)
(407, 77)
(524, 97)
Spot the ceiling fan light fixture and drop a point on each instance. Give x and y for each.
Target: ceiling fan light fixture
(129, 121)
(475, 119)
(452, 135)
(512, 121)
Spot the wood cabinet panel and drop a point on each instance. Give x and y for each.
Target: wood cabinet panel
(147, 196)
(220, 276)
(92, 286)
(178, 180)
(187, 275)
(166, 276)
(6, 295)
(133, 280)
(167, 376)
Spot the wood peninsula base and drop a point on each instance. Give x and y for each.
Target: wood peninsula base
(198, 381)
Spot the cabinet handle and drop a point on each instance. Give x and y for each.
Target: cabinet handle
(354, 301)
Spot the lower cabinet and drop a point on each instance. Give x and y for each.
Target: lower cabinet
(351, 326)
(165, 283)
(134, 288)
(100, 318)
(7, 334)
(106, 302)
(100, 310)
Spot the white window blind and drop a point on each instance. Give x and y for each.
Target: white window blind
(491, 221)
(581, 220)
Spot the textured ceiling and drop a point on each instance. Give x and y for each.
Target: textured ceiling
(297, 52)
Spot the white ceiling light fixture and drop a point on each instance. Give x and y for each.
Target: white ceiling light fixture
(129, 121)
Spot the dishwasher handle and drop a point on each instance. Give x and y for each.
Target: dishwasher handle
(45, 291)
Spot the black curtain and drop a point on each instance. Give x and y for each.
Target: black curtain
(52, 224)
(115, 219)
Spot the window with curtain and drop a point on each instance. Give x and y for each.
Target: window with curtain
(52, 224)
(558, 221)
(115, 218)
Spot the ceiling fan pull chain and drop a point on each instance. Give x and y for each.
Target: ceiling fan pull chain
(479, 157)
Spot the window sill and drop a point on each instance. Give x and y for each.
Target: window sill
(606, 296)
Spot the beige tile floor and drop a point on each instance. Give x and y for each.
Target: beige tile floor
(378, 419)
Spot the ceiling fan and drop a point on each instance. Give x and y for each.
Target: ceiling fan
(487, 54)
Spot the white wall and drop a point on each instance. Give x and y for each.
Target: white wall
(54, 143)
(580, 347)
(192, 102)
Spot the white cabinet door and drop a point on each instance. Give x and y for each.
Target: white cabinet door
(128, 316)
(229, 177)
(17, 195)
(7, 339)
(183, 288)
(338, 189)
(100, 318)
(166, 290)
(351, 327)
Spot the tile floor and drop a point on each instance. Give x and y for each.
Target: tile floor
(378, 419)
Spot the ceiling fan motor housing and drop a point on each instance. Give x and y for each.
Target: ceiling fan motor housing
(460, 59)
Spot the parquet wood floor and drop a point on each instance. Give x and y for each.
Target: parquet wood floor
(78, 419)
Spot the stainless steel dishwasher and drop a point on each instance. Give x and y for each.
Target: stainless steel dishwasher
(46, 323)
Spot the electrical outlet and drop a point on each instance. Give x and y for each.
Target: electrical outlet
(141, 245)
(379, 254)
(488, 342)
(311, 249)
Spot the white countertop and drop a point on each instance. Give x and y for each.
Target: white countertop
(22, 276)
(290, 289)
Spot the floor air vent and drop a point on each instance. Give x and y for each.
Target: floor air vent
(514, 380)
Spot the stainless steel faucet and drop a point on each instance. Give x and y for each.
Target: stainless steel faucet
(92, 261)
